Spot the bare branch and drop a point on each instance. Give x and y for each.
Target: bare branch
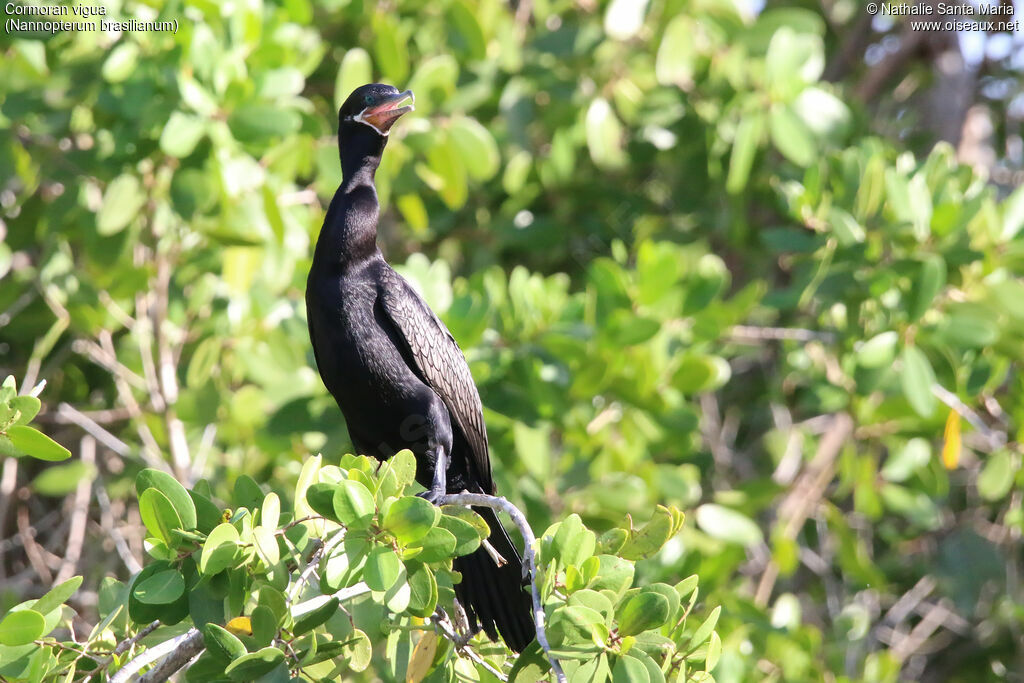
(79, 514)
(806, 493)
(176, 652)
(448, 631)
(993, 438)
(499, 503)
(748, 333)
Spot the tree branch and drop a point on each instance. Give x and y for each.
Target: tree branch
(499, 503)
(177, 652)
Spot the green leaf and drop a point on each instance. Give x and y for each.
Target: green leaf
(929, 282)
(359, 650)
(389, 47)
(320, 498)
(574, 626)
(382, 568)
(219, 550)
(703, 631)
(353, 504)
(714, 652)
(1013, 215)
(37, 444)
(260, 123)
(970, 327)
(919, 199)
(604, 135)
(355, 69)
(469, 34)
(60, 480)
(467, 536)
(27, 407)
(642, 611)
(410, 518)
(169, 614)
(996, 478)
(21, 627)
(266, 546)
(171, 488)
(121, 203)
(648, 540)
(316, 617)
(629, 669)
(879, 351)
(204, 361)
(221, 641)
(345, 564)
(728, 525)
(57, 595)
(270, 511)
(247, 492)
(744, 148)
(533, 448)
(827, 117)
(264, 625)
(917, 378)
(477, 147)
(573, 543)
(793, 59)
(208, 515)
(159, 516)
(614, 574)
(423, 592)
(446, 173)
(160, 589)
(1009, 296)
(899, 466)
(791, 136)
(676, 52)
(251, 666)
(121, 62)
(181, 134)
(845, 227)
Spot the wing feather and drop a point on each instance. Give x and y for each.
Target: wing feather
(440, 363)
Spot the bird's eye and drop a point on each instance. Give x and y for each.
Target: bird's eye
(368, 100)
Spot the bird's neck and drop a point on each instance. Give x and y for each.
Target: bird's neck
(349, 234)
(360, 157)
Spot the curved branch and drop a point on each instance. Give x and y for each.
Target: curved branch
(499, 503)
(176, 652)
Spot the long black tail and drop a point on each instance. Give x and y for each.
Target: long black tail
(493, 596)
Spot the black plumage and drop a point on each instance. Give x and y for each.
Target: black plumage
(395, 370)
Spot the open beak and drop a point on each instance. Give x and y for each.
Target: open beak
(384, 114)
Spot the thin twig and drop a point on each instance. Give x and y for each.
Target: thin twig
(993, 438)
(33, 550)
(748, 333)
(109, 524)
(79, 514)
(805, 494)
(69, 414)
(123, 647)
(499, 503)
(461, 647)
(176, 653)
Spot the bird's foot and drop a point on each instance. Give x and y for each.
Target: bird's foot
(432, 496)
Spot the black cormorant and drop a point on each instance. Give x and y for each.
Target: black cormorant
(395, 370)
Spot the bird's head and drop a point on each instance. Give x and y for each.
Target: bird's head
(376, 106)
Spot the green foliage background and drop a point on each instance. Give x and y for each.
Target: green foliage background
(675, 257)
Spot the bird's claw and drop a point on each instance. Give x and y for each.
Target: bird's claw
(432, 496)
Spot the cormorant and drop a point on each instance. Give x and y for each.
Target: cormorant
(395, 370)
